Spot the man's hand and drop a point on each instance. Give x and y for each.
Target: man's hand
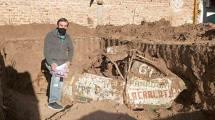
(68, 63)
(53, 66)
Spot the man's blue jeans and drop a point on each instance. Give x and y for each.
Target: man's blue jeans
(56, 86)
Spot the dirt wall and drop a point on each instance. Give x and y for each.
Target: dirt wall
(195, 65)
(188, 51)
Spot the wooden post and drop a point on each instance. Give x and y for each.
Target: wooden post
(195, 12)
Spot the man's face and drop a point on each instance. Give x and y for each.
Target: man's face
(63, 25)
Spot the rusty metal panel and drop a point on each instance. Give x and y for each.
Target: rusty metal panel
(90, 87)
(156, 92)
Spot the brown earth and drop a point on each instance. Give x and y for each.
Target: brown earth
(158, 31)
(188, 51)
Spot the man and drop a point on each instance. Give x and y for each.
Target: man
(58, 51)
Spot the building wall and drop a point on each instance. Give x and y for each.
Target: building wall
(116, 12)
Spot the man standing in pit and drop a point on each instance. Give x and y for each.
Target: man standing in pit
(58, 52)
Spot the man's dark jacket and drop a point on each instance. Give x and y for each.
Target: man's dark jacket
(57, 51)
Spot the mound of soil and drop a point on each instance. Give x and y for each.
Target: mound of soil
(157, 31)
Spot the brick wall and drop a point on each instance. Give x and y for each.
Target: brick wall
(117, 12)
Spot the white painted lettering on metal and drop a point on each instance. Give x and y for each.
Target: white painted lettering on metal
(146, 70)
(157, 91)
(95, 87)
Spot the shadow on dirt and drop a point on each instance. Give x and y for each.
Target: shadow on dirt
(19, 99)
(47, 76)
(101, 115)
(198, 115)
